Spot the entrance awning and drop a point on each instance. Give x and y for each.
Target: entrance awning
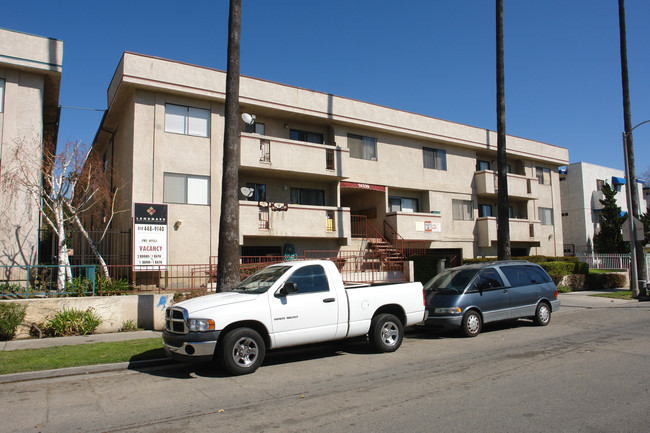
(366, 186)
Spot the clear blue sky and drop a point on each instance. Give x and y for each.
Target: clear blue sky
(433, 57)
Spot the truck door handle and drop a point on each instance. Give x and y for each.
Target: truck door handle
(328, 300)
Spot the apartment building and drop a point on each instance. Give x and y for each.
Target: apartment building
(581, 190)
(30, 77)
(317, 171)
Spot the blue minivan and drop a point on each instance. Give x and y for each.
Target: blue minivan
(468, 296)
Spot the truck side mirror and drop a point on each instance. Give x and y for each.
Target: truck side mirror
(287, 289)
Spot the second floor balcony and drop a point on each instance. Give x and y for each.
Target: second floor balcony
(293, 220)
(518, 186)
(284, 155)
(520, 231)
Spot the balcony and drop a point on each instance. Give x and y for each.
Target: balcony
(293, 220)
(520, 231)
(263, 152)
(518, 186)
(411, 226)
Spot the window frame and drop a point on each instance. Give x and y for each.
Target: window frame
(360, 153)
(306, 136)
(415, 201)
(188, 118)
(186, 189)
(466, 210)
(2, 95)
(259, 191)
(437, 159)
(546, 215)
(481, 213)
(301, 199)
(543, 175)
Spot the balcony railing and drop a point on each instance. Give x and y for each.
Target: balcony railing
(288, 155)
(518, 186)
(282, 219)
(520, 231)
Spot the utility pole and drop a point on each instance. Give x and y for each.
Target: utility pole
(633, 205)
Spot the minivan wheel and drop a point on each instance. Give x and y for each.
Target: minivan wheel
(472, 323)
(542, 314)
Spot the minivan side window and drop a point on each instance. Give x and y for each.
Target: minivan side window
(537, 276)
(489, 279)
(516, 275)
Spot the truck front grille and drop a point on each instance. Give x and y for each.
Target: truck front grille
(176, 320)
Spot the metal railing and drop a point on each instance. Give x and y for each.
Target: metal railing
(606, 261)
(407, 248)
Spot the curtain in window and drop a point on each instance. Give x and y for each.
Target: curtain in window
(174, 188)
(175, 116)
(198, 190)
(429, 157)
(369, 148)
(462, 210)
(198, 122)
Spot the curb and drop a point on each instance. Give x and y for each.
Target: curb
(84, 369)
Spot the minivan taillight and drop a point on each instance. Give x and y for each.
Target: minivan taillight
(555, 294)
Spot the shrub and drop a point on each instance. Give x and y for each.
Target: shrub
(563, 289)
(129, 325)
(605, 281)
(71, 322)
(79, 287)
(113, 286)
(565, 267)
(182, 296)
(11, 315)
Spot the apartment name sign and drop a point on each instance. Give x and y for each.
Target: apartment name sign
(150, 236)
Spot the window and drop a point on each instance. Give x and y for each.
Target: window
(489, 279)
(315, 197)
(543, 175)
(434, 158)
(362, 147)
(599, 184)
(484, 210)
(462, 210)
(255, 128)
(310, 279)
(546, 216)
(310, 137)
(187, 120)
(186, 189)
(258, 191)
(2, 95)
(402, 204)
(482, 165)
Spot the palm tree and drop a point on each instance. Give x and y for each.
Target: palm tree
(228, 251)
(503, 220)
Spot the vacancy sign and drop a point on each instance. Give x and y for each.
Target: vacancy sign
(149, 237)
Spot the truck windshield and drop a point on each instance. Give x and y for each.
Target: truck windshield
(261, 280)
(451, 281)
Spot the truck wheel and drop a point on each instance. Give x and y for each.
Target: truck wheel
(242, 351)
(386, 333)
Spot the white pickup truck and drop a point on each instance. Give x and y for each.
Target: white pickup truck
(289, 304)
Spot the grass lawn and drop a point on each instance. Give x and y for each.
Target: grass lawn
(16, 361)
(621, 294)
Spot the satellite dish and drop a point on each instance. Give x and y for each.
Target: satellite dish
(248, 119)
(246, 192)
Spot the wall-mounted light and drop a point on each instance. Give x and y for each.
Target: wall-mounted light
(177, 224)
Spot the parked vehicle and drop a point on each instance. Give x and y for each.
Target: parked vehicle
(289, 304)
(468, 296)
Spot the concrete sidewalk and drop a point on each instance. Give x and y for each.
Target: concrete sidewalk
(40, 343)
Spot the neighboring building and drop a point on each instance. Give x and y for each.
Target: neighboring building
(314, 166)
(580, 188)
(30, 76)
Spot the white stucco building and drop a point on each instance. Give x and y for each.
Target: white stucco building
(30, 76)
(580, 187)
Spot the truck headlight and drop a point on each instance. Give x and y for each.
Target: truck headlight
(447, 310)
(200, 325)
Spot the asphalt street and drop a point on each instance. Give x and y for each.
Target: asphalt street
(586, 371)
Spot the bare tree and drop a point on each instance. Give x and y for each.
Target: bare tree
(64, 187)
(503, 220)
(228, 252)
